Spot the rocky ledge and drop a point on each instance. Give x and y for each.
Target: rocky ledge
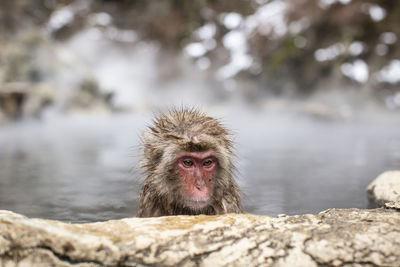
(385, 189)
(336, 237)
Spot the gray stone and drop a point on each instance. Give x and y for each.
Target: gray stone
(385, 188)
(336, 237)
(392, 205)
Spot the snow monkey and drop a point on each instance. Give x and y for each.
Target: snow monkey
(187, 161)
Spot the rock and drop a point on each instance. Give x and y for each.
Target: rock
(392, 205)
(336, 237)
(24, 99)
(385, 188)
(40, 72)
(88, 97)
(12, 99)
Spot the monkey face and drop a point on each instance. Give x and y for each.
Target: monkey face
(196, 172)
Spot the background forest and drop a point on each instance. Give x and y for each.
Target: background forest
(250, 50)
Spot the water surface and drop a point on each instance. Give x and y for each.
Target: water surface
(82, 169)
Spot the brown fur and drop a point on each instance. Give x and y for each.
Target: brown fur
(185, 130)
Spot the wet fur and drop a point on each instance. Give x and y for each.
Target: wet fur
(192, 131)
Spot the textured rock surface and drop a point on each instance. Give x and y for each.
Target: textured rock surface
(334, 237)
(392, 205)
(385, 188)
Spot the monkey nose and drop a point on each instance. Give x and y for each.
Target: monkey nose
(199, 185)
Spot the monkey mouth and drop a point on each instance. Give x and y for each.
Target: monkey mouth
(197, 203)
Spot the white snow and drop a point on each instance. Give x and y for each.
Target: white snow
(325, 4)
(390, 73)
(238, 62)
(268, 20)
(203, 63)
(296, 27)
(121, 35)
(65, 15)
(357, 71)
(236, 42)
(195, 49)
(376, 12)
(232, 20)
(206, 32)
(102, 18)
(60, 18)
(388, 38)
(356, 48)
(329, 53)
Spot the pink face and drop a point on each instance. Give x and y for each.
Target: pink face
(196, 171)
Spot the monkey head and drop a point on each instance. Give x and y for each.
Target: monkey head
(187, 160)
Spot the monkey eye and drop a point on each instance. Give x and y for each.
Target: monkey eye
(207, 163)
(187, 163)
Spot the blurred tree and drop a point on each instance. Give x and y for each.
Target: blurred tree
(322, 36)
(169, 22)
(343, 30)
